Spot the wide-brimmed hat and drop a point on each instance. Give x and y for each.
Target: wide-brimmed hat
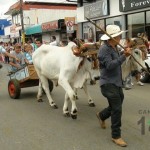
(113, 31)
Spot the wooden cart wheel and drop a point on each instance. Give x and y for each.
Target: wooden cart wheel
(50, 85)
(14, 88)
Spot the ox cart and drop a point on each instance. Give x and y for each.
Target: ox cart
(22, 78)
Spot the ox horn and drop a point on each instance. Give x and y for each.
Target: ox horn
(78, 42)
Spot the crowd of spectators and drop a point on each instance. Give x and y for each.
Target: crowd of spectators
(25, 52)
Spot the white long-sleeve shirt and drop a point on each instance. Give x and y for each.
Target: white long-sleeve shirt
(54, 43)
(2, 50)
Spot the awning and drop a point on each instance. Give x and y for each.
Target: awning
(33, 30)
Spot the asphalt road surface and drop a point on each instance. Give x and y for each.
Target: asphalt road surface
(26, 124)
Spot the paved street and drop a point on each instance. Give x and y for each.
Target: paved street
(26, 124)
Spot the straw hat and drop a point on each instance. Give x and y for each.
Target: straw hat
(113, 31)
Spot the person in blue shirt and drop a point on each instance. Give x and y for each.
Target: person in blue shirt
(28, 53)
(111, 82)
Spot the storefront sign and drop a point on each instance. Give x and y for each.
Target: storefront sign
(13, 28)
(18, 28)
(53, 25)
(14, 35)
(96, 9)
(70, 21)
(14, 31)
(128, 5)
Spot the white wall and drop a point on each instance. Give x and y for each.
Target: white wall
(80, 14)
(7, 30)
(38, 16)
(114, 8)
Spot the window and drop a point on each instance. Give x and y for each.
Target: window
(99, 33)
(88, 31)
(148, 24)
(136, 24)
(115, 20)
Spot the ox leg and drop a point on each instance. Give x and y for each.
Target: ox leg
(39, 95)
(90, 101)
(73, 109)
(45, 86)
(65, 107)
(72, 96)
(76, 92)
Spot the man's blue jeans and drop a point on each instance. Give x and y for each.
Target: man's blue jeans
(115, 98)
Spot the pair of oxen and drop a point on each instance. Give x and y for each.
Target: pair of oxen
(70, 67)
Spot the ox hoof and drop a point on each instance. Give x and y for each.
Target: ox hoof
(91, 104)
(55, 106)
(74, 116)
(1, 66)
(67, 114)
(92, 82)
(40, 100)
(76, 97)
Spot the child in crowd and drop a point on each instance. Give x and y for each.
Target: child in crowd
(38, 43)
(15, 65)
(28, 53)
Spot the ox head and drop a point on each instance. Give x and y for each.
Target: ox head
(89, 52)
(130, 64)
(92, 66)
(140, 44)
(138, 55)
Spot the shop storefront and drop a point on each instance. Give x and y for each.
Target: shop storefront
(139, 20)
(55, 28)
(95, 10)
(131, 15)
(15, 33)
(33, 32)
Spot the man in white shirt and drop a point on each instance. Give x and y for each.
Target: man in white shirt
(54, 42)
(2, 50)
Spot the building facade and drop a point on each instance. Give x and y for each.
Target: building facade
(130, 15)
(36, 14)
(4, 23)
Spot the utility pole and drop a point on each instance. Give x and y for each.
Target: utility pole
(22, 22)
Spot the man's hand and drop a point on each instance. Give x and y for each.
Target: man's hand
(127, 52)
(27, 62)
(17, 60)
(17, 66)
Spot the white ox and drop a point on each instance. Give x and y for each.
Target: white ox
(130, 64)
(59, 64)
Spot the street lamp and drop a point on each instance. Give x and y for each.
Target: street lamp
(22, 23)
